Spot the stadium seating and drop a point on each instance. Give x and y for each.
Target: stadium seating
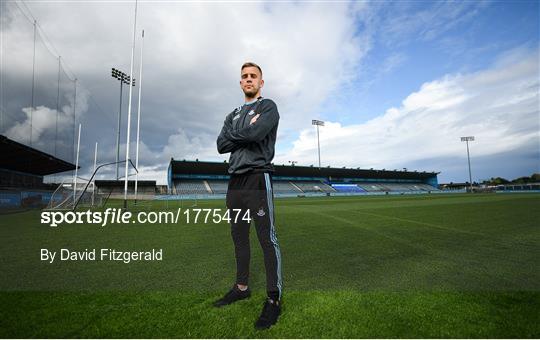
(218, 187)
(341, 187)
(313, 186)
(399, 187)
(396, 187)
(190, 187)
(372, 187)
(285, 187)
(211, 179)
(426, 187)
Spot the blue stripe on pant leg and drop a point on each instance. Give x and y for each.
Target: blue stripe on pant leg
(273, 237)
(273, 232)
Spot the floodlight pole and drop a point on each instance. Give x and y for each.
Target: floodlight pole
(466, 140)
(469, 163)
(139, 118)
(124, 79)
(118, 130)
(319, 146)
(129, 106)
(318, 123)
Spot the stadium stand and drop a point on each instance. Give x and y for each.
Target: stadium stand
(398, 187)
(21, 175)
(372, 187)
(162, 189)
(343, 187)
(115, 189)
(190, 187)
(218, 186)
(425, 187)
(313, 186)
(211, 178)
(285, 187)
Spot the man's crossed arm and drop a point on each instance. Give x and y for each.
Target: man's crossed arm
(259, 127)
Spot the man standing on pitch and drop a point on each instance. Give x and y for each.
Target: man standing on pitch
(249, 134)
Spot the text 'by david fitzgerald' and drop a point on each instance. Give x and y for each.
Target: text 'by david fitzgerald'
(104, 254)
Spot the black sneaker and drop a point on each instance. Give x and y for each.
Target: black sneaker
(232, 296)
(269, 314)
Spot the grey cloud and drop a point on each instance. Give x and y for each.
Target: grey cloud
(191, 64)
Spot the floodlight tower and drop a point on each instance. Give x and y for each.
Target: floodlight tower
(467, 139)
(124, 79)
(318, 123)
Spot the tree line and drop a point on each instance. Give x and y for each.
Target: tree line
(534, 178)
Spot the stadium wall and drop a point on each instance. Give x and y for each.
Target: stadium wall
(24, 199)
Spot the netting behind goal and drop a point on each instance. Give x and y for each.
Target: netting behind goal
(68, 194)
(82, 192)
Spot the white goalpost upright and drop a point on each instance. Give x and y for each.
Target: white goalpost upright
(129, 108)
(93, 171)
(139, 118)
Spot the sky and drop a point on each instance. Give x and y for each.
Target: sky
(396, 82)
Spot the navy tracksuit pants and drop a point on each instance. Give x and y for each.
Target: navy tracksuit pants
(253, 191)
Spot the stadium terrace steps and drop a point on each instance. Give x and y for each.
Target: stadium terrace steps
(218, 186)
(313, 186)
(285, 187)
(190, 187)
(296, 187)
(396, 187)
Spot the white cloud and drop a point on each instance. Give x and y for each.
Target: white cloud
(190, 147)
(42, 119)
(499, 106)
(45, 119)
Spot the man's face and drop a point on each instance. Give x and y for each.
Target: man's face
(251, 81)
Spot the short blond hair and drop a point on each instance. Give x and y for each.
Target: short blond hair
(251, 64)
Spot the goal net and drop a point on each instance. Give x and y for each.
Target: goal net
(69, 195)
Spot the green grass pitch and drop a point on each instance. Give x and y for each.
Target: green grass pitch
(432, 266)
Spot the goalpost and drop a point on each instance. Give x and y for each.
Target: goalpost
(81, 191)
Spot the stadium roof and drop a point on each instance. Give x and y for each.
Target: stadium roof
(19, 157)
(220, 168)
